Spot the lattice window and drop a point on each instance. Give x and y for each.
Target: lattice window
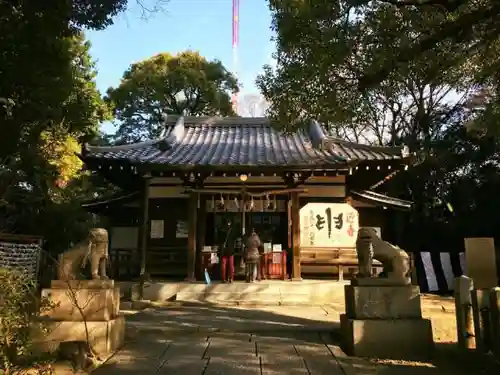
(20, 253)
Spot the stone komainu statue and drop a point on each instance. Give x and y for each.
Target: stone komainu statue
(395, 260)
(94, 249)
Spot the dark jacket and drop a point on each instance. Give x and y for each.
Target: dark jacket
(227, 240)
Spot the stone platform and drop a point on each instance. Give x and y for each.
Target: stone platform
(78, 300)
(385, 321)
(105, 337)
(84, 310)
(266, 292)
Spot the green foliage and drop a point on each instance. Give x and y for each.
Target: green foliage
(323, 47)
(351, 48)
(49, 104)
(363, 68)
(20, 309)
(185, 83)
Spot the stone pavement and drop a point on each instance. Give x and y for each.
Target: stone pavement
(214, 340)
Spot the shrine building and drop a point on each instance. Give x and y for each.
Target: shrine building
(297, 191)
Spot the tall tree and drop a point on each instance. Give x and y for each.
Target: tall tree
(185, 83)
(323, 47)
(325, 51)
(325, 37)
(48, 104)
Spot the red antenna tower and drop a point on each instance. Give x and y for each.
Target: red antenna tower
(236, 29)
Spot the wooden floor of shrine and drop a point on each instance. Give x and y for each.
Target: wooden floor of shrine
(265, 292)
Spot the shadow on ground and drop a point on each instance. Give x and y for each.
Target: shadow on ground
(209, 339)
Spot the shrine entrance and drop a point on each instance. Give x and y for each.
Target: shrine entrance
(270, 222)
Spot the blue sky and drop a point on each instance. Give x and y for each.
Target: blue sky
(202, 25)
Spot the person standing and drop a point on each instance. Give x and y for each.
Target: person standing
(227, 253)
(252, 256)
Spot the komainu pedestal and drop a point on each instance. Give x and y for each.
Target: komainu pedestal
(385, 321)
(84, 307)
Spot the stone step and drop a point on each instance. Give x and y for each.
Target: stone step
(254, 299)
(317, 293)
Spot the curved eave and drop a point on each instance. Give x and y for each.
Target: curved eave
(102, 164)
(382, 200)
(312, 149)
(89, 150)
(397, 152)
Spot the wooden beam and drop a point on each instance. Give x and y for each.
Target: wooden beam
(202, 230)
(192, 221)
(243, 191)
(295, 217)
(142, 238)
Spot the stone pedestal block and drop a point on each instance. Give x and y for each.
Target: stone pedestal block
(83, 302)
(387, 338)
(105, 337)
(82, 284)
(385, 321)
(495, 319)
(382, 302)
(85, 311)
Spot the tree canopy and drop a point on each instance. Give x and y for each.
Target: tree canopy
(49, 104)
(391, 72)
(351, 47)
(185, 83)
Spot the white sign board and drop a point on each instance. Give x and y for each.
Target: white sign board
(157, 229)
(328, 225)
(181, 229)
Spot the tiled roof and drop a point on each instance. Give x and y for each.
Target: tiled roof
(382, 200)
(219, 142)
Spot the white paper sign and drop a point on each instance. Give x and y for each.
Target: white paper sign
(328, 225)
(268, 247)
(181, 229)
(157, 228)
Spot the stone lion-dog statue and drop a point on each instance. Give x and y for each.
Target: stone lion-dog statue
(395, 261)
(94, 248)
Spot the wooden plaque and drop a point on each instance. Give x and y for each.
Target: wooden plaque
(481, 262)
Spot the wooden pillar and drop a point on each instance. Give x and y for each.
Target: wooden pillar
(202, 231)
(295, 217)
(463, 311)
(143, 234)
(192, 221)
